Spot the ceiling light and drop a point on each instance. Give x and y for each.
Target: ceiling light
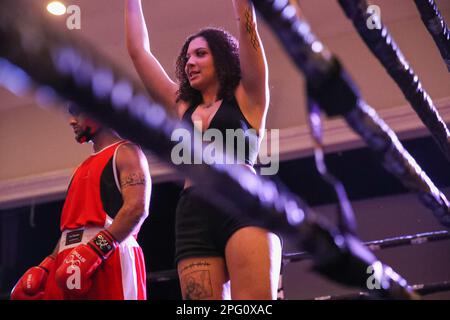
(57, 8)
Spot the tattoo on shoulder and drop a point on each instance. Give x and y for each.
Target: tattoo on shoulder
(133, 179)
(251, 29)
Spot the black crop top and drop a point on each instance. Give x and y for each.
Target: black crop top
(230, 116)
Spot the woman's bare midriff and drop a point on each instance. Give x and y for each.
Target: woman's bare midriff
(188, 183)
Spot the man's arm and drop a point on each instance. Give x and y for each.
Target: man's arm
(135, 183)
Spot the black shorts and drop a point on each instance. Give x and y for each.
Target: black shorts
(203, 229)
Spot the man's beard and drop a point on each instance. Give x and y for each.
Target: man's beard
(86, 135)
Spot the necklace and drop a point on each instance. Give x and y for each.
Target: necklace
(208, 105)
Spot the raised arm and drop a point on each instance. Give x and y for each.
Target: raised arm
(253, 60)
(135, 185)
(161, 88)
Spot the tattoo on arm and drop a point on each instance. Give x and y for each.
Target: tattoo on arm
(251, 29)
(133, 179)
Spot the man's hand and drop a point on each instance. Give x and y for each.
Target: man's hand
(32, 284)
(74, 275)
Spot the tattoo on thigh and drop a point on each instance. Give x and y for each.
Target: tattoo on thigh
(133, 179)
(195, 264)
(197, 285)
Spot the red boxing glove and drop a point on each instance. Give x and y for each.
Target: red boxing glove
(32, 284)
(74, 274)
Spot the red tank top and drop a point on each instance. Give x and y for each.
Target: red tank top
(83, 205)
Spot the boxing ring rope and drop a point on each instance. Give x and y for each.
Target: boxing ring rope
(375, 245)
(346, 216)
(436, 26)
(423, 289)
(382, 44)
(415, 239)
(32, 48)
(330, 87)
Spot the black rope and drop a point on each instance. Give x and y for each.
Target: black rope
(382, 44)
(330, 86)
(422, 289)
(436, 26)
(415, 239)
(375, 245)
(69, 68)
(162, 276)
(346, 216)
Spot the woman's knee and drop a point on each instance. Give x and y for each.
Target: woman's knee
(254, 243)
(253, 257)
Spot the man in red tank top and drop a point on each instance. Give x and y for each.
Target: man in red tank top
(97, 256)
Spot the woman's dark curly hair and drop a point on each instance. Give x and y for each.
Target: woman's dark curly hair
(225, 51)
